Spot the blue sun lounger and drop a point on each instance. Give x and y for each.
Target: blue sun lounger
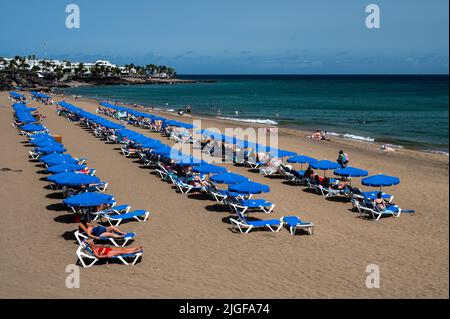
(139, 215)
(117, 209)
(81, 236)
(246, 226)
(372, 211)
(294, 223)
(85, 252)
(221, 195)
(247, 205)
(185, 188)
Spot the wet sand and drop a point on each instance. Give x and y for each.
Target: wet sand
(190, 251)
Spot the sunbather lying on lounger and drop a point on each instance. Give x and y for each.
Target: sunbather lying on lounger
(309, 173)
(319, 135)
(380, 203)
(341, 185)
(97, 231)
(197, 181)
(103, 251)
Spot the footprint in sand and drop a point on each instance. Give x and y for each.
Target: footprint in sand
(6, 169)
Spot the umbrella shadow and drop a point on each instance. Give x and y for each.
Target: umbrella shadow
(58, 207)
(69, 235)
(199, 196)
(217, 208)
(65, 219)
(274, 176)
(339, 199)
(226, 220)
(144, 166)
(309, 190)
(57, 195)
(290, 183)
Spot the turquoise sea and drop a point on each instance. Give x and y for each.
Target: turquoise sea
(409, 111)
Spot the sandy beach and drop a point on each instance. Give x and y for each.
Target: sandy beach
(190, 251)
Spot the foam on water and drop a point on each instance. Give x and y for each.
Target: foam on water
(353, 137)
(258, 121)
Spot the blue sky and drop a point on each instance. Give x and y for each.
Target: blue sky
(236, 36)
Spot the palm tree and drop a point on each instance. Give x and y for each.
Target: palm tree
(23, 65)
(116, 71)
(80, 69)
(59, 71)
(36, 68)
(12, 65)
(171, 72)
(150, 68)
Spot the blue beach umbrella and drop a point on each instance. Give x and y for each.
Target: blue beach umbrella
(25, 118)
(33, 128)
(55, 156)
(158, 118)
(325, 165)
(214, 135)
(45, 142)
(89, 199)
(302, 159)
(54, 178)
(65, 168)
(279, 153)
(190, 161)
(74, 179)
(51, 149)
(351, 172)
(40, 136)
(164, 150)
(229, 178)
(209, 169)
(249, 187)
(380, 180)
(154, 144)
(176, 155)
(61, 160)
(18, 107)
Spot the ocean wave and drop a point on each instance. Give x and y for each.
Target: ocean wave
(352, 137)
(258, 121)
(438, 152)
(394, 146)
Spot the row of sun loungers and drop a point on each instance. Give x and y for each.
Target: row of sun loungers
(356, 196)
(273, 166)
(51, 153)
(240, 204)
(362, 201)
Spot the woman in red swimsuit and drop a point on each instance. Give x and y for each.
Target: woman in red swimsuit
(102, 251)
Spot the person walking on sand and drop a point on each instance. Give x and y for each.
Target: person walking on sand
(342, 159)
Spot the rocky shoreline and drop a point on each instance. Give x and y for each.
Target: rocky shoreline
(31, 81)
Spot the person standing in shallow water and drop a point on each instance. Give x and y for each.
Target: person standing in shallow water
(342, 159)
